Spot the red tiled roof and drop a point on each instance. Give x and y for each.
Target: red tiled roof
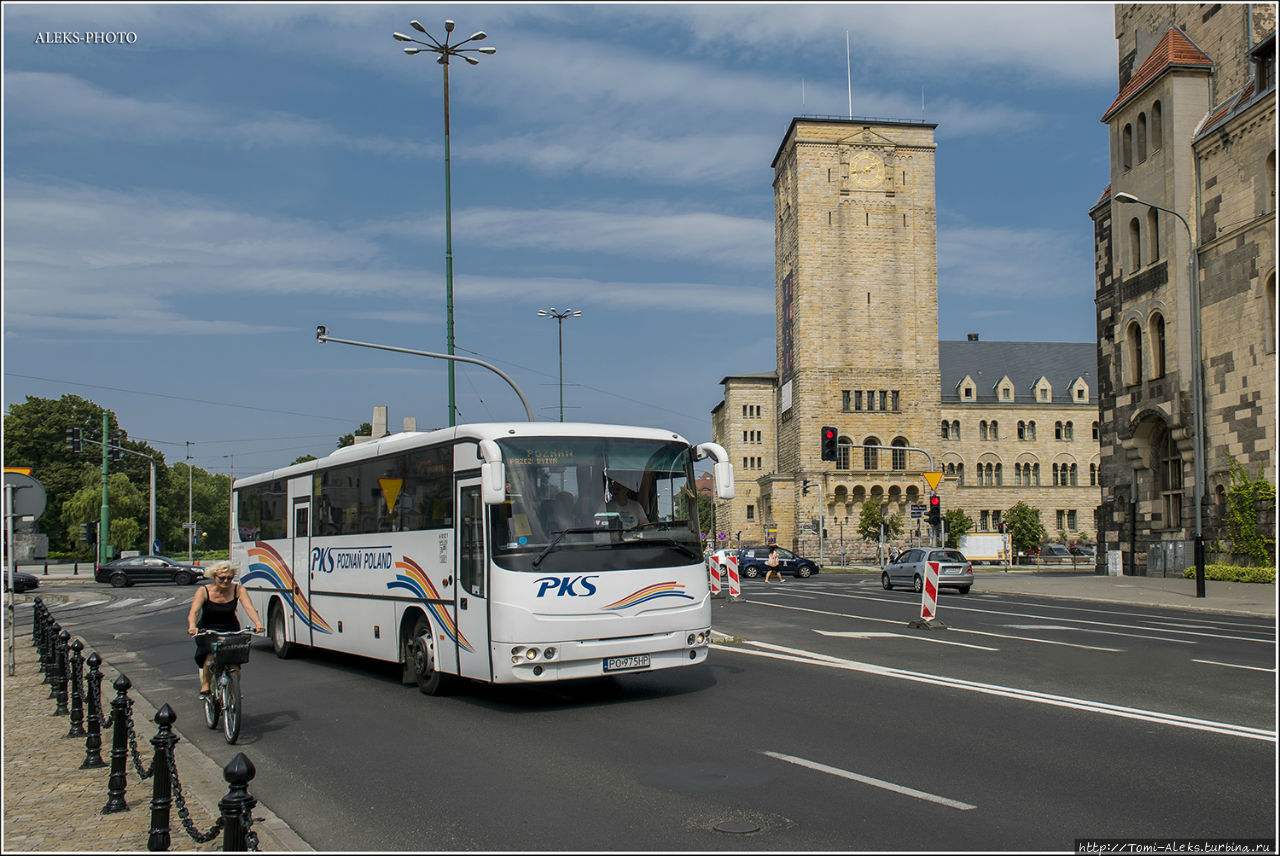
(1174, 49)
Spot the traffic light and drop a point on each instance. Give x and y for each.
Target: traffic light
(116, 454)
(829, 439)
(74, 439)
(84, 533)
(804, 488)
(91, 529)
(935, 510)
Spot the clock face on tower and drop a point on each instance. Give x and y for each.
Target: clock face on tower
(866, 169)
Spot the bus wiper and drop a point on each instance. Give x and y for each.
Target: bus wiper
(556, 540)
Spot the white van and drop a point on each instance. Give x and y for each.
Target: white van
(993, 549)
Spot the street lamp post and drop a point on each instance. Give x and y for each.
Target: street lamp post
(444, 51)
(560, 316)
(1197, 389)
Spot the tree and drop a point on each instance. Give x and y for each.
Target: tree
(125, 503)
(35, 435)
(1244, 496)
(365, 430)
(958, 524)
(870, 519)
(302, 459)
(210, 502)
(1022, 522)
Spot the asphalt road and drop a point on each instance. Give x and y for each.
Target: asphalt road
(829, 724)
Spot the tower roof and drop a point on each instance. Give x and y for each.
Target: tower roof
(1174, 50)
(1024, 362)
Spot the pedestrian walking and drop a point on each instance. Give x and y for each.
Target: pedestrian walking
(772, 564)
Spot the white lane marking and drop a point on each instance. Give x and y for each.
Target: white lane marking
(857, 635)
(1234, 666)
(1041, 641)
(867, 780)
(779, 652)
(948, 607)
(1095, 630)
(72, 606)
(126, 602)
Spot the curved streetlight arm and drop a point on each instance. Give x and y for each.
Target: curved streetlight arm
(322, 335)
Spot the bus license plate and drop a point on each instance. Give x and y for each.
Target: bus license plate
(618, 664)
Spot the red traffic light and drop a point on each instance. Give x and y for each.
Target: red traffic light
(829, 433)
(935, 500)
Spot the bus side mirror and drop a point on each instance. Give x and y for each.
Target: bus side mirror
(493, 482)
(724, 480)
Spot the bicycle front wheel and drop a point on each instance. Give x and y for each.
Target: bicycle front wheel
(211, 709)
(230, 692)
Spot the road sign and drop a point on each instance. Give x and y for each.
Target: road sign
(933, 479)
(188, 526)
(722, 536)
(917, 510)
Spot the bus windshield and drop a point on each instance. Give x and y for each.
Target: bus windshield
(596, 504)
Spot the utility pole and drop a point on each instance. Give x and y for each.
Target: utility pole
(190, 526)
(104, 519)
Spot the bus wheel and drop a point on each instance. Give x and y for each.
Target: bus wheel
(279, 641)
(421, 655)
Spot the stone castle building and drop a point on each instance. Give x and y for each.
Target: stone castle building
(858, 349)
(1191, 203)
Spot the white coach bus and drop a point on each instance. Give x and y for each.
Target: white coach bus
(503, 552)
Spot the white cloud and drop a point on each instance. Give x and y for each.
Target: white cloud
(1013, 264)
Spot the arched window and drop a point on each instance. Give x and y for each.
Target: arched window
(1126, 147)
(982, 430)
(842, 453)
(899, 453)
(1095, 429)
(960, 474)
(1269, 324)
(1022, 430)
(1093, 475)
(995, 430)
(1055, 475)
(999, 474)
(870, 460)
(1157, 346)
(1035, 474)
(1057, 430)
(1142, 137)
(955, 429)
(1075, 475)
(946, 430)
(1157, 126)
(1068, 431)
(1153, 235)
(1031, 430)
(1135, 244)
(1133, 338)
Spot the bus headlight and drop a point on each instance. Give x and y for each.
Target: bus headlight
(531, 654)
(550, 653)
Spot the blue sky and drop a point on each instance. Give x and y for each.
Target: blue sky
(184, 206)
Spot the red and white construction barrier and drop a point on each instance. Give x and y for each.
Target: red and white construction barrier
(929, 595)
(713, 569)
(735, 588)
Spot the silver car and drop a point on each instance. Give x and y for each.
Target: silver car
(954, 570)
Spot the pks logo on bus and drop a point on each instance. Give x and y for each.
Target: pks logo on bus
(567, 586)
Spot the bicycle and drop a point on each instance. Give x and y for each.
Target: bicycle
(223, 701)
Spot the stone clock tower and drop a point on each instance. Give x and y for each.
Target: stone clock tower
(857, 311)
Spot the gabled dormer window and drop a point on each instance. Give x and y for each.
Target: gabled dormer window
(1080, 391)
(1004, 389)
(1044, 390)
(968, 389)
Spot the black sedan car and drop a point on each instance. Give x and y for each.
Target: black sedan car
(21, 581)
(147, 569)
(751, 563)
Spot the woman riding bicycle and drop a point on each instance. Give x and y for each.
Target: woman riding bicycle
(214, 608)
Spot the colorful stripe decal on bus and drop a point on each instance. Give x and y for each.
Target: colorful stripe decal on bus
(267, 565)
(653, 592)
(415, 580)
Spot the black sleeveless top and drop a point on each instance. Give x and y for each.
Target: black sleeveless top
(219, 616)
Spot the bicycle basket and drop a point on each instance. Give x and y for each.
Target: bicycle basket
(231, 650)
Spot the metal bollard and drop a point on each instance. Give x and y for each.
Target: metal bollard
(77, 693)
(46, 648)
(162, 784)
(93, 694)
(237, 806)
(36, 606)
(119, 747)
(60, 673)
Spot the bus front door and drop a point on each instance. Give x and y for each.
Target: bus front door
(301, 569)
(471, 591)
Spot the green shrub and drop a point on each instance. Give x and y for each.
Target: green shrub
(1234, 574)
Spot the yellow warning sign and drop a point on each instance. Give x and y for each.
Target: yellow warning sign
(933, 479)
(391, 492)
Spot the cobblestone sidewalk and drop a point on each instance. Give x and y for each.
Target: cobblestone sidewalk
(51, 805)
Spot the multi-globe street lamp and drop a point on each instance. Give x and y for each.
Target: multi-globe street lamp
(443, 51)
(560, 316)
(1197, 393)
